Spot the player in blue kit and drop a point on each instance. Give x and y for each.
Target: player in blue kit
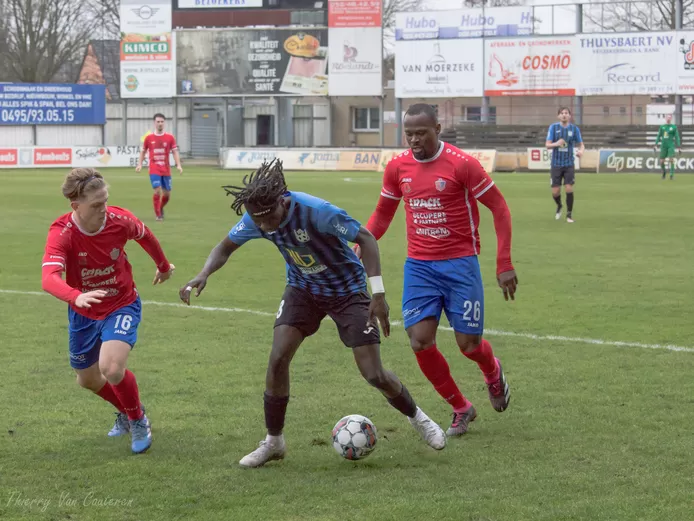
(324, 278)
(562, 138)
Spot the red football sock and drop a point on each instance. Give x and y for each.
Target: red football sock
(129, 395)
(164, 199)
(156, 202)
(484, 356)
(436, 369)
(108, 394)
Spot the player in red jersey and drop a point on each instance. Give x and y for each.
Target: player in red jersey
(105, 310)
(441, 186)
(160, 144)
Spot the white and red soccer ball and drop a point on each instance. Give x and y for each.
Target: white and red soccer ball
(354, 437)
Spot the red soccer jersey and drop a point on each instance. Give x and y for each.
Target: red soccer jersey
(98, 260)
(160, 146)
(440, 201)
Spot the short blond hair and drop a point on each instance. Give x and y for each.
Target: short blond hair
(82, 181)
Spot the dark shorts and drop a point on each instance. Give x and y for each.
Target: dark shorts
(305, 311)
(565, 173)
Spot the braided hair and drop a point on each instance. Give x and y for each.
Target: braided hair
(262, 189)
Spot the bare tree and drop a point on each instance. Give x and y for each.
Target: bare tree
(390, 7)
(646, 15)
(42, 38)
(107, 16)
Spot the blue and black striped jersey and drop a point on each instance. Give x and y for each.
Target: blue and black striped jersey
(313, 239)
(564, 156)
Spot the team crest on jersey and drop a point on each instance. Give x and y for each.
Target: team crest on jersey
(571, 133)
(440, 185)
(115, 252)
(406, 188)
(301, 235)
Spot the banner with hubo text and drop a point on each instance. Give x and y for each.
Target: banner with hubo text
(438, 68)
(530, 67)
(355, 49)
(627, 63)
(147, 54)
(464, 23)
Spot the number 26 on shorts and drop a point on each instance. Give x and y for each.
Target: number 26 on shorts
(474, 308)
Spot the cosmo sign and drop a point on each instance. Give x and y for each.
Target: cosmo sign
(629, 63)
(530, 66)
(464, 23)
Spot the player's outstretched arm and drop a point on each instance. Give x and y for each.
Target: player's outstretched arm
(505, 273)
(371, 259)
(383, 215)
(387, 203)
(218, 257)
(151, 245)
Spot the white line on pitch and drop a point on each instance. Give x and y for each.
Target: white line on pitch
(490, 332)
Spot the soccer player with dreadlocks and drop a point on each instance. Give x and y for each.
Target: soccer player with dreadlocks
(324, 278)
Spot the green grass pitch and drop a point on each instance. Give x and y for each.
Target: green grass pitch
(595, 431)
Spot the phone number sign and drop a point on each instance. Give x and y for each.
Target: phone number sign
(52, 104)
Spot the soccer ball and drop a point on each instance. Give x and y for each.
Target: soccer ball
(354, 437)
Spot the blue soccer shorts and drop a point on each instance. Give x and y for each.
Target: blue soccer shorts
(163, 181)
(453, 286)
(87, 334)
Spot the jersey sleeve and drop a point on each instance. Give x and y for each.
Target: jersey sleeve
(54, 264)
(55, 253)
(174, 145)
(335, 221)
(474, 177)
(391, 183)
(136, 230)
(659, 136)
(577, 135)
(550, 134)
(244, 231)
(145, 143)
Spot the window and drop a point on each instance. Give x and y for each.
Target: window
(308, 18)
(475, 114)
(606, 111)
(366, 119)
(622, 111)
(639, 111)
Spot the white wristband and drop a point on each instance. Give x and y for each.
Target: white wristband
(377, 285)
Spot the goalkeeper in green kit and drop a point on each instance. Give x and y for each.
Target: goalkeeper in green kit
(668, 138)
